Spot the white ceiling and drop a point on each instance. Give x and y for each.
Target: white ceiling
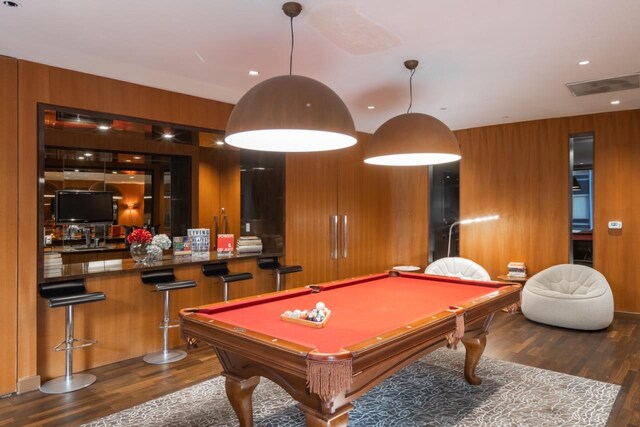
(481, 60)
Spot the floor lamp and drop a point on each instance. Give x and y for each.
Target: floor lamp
(469, 221)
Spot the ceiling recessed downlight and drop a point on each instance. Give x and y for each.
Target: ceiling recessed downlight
(371, 107)
(81, 158)
(584, 62)
(104, 127)
(615, 102)
(219, 142)
(254, 73)
(137, 157)
(167, 136)
(88, 154)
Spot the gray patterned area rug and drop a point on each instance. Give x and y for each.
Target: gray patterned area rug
(430, 392)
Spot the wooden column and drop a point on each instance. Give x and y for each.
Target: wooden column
(9, 215)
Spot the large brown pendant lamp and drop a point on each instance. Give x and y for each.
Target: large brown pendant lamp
(290, 113)
(412, 139)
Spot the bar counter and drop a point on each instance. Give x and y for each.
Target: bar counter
(128, 265)
(126, 323)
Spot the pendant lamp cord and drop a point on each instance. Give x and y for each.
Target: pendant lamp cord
(291, 54)
(411, 90)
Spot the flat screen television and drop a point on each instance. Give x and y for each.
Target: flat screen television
(84, 207)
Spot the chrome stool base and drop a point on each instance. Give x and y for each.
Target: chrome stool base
(162, 357)
(66, 384)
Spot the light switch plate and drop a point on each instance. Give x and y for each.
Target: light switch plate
(615, 225)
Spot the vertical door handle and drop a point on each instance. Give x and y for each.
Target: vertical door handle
(344, 236)
(333, 224)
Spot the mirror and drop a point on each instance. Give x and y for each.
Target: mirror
(581, 206)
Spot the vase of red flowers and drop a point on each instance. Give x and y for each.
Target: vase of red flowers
(138, 240)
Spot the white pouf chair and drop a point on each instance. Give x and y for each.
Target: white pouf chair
(457, 267)
(570, 296)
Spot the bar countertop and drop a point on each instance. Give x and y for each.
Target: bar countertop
(123, 266)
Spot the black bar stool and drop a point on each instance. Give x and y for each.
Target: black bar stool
(165, 281)
(67, 294)
(272, 263)
(221, 270)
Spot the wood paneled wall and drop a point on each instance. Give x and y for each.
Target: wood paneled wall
(9, 215)
(521, 171)
(44, 84)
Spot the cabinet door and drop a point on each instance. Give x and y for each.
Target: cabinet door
(365, 214)
(310, 210)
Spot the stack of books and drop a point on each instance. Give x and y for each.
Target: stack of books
(249, 244)
(517, 269)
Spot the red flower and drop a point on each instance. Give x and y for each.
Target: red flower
(139, 235)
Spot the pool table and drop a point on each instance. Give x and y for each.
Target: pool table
(378, 324)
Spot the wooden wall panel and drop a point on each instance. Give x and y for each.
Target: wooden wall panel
(617, 197)
(521, 170)
(409, 218)
(310, 201)
(208, 188)
(9, 215)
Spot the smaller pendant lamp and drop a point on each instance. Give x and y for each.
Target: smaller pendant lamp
(412, 139)
(290, 113)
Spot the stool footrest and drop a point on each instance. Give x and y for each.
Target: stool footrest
(286, 269)
(63, 346)
(171, 324)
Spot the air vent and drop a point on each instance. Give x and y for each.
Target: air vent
(632, 81)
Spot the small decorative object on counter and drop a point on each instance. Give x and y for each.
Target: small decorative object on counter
(138, 240)
(181, 245)
(316, 317)
(225, 243)
(157, 245)
(200, 239)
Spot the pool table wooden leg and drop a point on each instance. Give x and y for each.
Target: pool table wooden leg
(240, 391)
(474, 349)
(340, 418)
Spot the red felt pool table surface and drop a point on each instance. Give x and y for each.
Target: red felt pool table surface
(360, 309)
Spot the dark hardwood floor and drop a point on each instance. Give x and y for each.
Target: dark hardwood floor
(612, 355)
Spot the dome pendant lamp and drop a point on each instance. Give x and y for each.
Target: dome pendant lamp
(412, 139)
(290, 113)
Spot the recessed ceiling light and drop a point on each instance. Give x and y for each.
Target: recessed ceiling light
(104, 127)
(10, 4)
(371, 107)
(615, 102)
(219, 142)
(131, 177)
(254, 73)
(167, 136)
(88, 154)
(128, 160)
(137, 157)
(81, 158)
(114, 171)
(76, 170)
(585, 62)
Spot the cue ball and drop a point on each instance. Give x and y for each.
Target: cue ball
(320, 306)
